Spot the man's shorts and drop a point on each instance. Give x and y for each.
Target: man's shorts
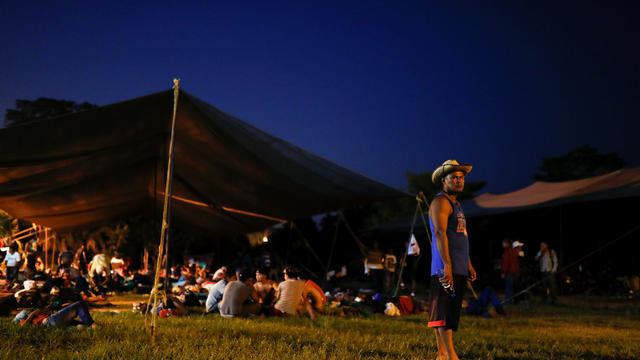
(445, 310)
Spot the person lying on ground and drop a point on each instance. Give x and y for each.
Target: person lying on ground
(239, 298)
(60, 319)
(480, 305)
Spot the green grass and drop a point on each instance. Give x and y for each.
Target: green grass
(577, 331)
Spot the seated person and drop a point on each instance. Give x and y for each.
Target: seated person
(117, 264)
(215, 296)
(99, 269)
(201, 273)
(174, 274)
(314, 295)
(171, 307)
(239, 298)
(64, 262)
(220, 274)
(60, 319)
(265, 287)
(289, 293)
(479, 306)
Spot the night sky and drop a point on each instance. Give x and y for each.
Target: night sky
(379, 87)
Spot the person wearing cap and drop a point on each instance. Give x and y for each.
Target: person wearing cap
(518, 246)
(510, 268)
(450, 263)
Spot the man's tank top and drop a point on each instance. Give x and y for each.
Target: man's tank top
(458, 242)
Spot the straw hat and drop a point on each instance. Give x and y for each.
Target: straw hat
(448, 167)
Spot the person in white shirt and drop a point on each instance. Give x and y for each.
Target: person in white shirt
(12, 259)
(117, 264)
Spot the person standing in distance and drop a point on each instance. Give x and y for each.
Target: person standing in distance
(548, 266)
(450, 263)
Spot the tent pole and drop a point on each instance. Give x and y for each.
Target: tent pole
(165, 212)
(166, 262)
(420, 198)
(306, 243)
(46, 249)
(166, 247)
(562, 235)
(424, 221)
(361, 246)
(333, 245)
(286, 259)
(53, 253)
(406, 250)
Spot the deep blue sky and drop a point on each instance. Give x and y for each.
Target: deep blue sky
(378, 87)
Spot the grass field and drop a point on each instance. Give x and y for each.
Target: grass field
(579, 328)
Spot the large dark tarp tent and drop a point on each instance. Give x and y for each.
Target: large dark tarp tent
(108, 163)
(623, 183)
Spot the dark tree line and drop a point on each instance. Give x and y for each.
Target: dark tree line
(582, 162)
(42, 108)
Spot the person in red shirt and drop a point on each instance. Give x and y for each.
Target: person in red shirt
(510, 268)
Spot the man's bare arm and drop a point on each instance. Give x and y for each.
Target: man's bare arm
(472, 272)
(439, 211)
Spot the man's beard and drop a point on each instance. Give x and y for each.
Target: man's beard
(452, 192)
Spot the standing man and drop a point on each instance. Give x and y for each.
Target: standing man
(510, 268)
(13, 264)
(548, 267)
(450, 264)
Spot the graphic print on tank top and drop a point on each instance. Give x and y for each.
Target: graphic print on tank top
(462, 223)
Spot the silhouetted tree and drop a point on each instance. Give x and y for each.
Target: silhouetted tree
(579, 163)
(392, 210)
(41, 108)
(8, 225)
(422, 182)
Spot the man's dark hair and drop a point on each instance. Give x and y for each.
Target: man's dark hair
(291, 272)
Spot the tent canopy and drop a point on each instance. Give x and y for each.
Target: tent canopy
(109, 163)
(622, 183)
